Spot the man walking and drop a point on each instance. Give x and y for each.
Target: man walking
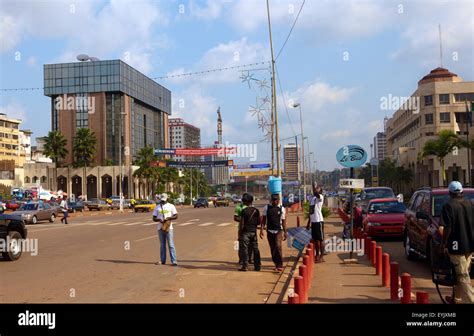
(457, 229)
(164, 213)
(250, 218)
(316, 222)
(64, 209)
(238, 211)
(274, 219)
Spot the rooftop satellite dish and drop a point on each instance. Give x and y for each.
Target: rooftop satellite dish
(82, 57)
(94, 59)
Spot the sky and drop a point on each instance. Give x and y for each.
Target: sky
(341, 60)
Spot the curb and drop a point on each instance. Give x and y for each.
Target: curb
(279, 291)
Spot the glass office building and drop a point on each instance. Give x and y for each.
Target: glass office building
(107, 95)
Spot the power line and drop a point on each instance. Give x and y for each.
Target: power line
(291, 30)
(203, 72)
(284, 100)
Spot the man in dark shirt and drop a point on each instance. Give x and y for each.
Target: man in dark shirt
(457, 229)
(250, 220)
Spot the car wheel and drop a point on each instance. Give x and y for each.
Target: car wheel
(34, 220)
(14, 249)
(136, 210)
(52, 218)
(409, 254)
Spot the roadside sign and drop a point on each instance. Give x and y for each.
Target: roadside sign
(374, 162)
(351, 183)
(351, 156)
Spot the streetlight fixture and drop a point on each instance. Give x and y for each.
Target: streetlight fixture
(120, 160)
(295, 105)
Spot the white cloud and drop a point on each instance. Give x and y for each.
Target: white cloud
(224, 55)
(337, 135)
(31, 61)
(14, 110)
(211, 10)
(9, 33)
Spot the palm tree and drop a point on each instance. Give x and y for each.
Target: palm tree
(84, 147)
(441, 147)
(145, 157)
(55, 146)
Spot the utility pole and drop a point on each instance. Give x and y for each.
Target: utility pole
(120, 161)
(274, 103)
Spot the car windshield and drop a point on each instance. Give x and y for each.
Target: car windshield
(439, 200)
(377, 193)
(202, 200)
(30, 206)
(386, 207)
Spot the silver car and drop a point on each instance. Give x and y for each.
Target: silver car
(33, 212)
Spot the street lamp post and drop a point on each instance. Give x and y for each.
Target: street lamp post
(120, 160)
(302, 147)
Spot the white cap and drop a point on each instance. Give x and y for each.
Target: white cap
(164, 197)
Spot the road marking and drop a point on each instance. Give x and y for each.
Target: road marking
(224, 224)
(129, 224)
(184, 224)
(194, 220)
(146, 238)
(118, 223)
(148, 224)
(206, 224)
(51, 228)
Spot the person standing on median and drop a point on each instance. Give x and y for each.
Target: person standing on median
(250, 220)
(457, 230)
(64, 209)
(162, 213)
(238, 211)
(316, 222)
(274, 219)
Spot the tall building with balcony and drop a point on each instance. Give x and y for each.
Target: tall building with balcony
(442, 97)
(380, 146)
(112, 99)
(184, 135)
(10, 141)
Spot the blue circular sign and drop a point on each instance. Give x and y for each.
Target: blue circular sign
(351, 156)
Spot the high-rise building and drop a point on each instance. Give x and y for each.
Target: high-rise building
(291, 162)
(112, 99)
(439, 103)
(380, 146)
(10, 141)
(184, 135)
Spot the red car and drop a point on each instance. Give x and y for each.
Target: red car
(385, 217)
(12, 205)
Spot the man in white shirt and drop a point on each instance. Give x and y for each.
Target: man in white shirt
(64, 209)
(316, 222)
(162, 213)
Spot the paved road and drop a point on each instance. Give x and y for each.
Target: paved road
(108, 258)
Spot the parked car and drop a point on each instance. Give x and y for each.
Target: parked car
(97, 204)
(47, 196)
(369, 194)
(221, 201)
(422, 218)
(115, 203)
(145, 206)
(33, 212)
(12, 204)
(385, 217)
(75, 206)
(201, 203)
(12, 227)
(236, 199)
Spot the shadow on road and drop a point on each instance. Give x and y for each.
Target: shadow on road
(363, 299)
(127, 261)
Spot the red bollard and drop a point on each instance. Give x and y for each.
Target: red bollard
(373, 252)
(422, 297)
(297, 221)
(378, 260)
(368, 245)
(386, 270)
(304, 274)
(310, 255)
(295, 299)
(299, 289)
(308, 264)
(406, 287)
(311, 246)
(394, 281)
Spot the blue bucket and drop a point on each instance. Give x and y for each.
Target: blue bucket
(274, 185)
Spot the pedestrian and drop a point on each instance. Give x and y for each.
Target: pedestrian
(274, 220)
(457, 230)
(238, 211)
(316, 222)
(249, 221)
(64, 209)
(164, 213)
(132, 203)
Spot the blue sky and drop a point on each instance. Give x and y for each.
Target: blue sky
(341, 59)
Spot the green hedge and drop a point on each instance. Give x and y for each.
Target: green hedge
(325, 211)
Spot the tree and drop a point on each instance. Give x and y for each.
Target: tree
(84, 147)
(441, 147)
(146, 172)
(55, 147)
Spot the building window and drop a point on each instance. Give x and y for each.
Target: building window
(462, 97)
(444, 98)
(428, 100)
(429, 133)
(445, 117)
(44, 179)
(429, 119)
(27, 179)
(82, 113)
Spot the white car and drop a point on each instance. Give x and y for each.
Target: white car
(46, 196)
